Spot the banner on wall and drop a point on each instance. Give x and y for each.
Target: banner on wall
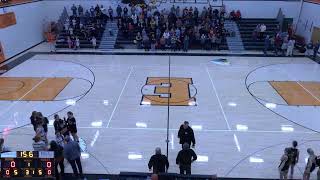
(2, 58)
(313, 1)
(7, 19)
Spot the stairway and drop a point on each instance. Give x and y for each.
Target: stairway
(234, 43)
(108, 41)
(246, 28)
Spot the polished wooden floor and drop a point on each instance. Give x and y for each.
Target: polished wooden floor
(31, 89)
(298, 93)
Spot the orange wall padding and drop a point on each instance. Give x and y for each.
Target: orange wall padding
(313, 1)
(2, 58)
(7, 19)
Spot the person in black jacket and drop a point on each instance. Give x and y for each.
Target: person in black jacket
(158, 162)
(58, 156)
(33, 119)
(184, 159)
(72, 126)
(186, 134)
(60, 126)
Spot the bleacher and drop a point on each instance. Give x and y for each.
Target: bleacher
(246, 28)
(128, 43)
(84, 43)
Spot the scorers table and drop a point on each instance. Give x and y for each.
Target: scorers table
(27, 164)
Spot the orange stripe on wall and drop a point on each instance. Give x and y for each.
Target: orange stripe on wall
(313, 1)
(2, 58)
(7, 19)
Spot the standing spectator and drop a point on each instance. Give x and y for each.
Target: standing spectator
(284, 164)
(290, 47)
(80, 10)
(311, 165)
(3, 148)
(309, 49)
(263, 29)
(138, 40)
(203, 41)
(293, 155)
(40, 132)
(72, 153)
(44, 120)
(58, 157)
(284, 45)
(158, 162)
(72, 126)
(125, 11)
(92, 11)
(39, 144)
(59, 139)
(119, 11)
(33, 119)
(277, 44)
(266, 45)
(94, 42)
(74, 10)
(153, 42)
(186, 134)
(77, 43)
(69, 42)
(184, 159)
(110, 11)
(186, 43)
(315, 50)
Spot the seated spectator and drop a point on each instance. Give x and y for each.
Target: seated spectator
(39, 144)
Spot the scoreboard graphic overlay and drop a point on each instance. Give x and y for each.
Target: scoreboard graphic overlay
(27, 164)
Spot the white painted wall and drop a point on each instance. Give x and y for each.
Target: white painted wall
(249, 9)
(28, 30)
(30, 17)
(310, 16)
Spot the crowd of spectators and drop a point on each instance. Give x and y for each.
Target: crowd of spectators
(63, 146)
(173, 29)
(84, 25)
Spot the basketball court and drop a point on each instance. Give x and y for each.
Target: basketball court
(244, 114)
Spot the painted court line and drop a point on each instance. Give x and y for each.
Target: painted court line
(124, 86)
(216, 93)
(309, 92)
(203, 130)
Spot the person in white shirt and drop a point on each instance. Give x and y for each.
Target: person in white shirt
(77, 43)
(94, 42)
(38, 144)
(134, 18)
(290, 47)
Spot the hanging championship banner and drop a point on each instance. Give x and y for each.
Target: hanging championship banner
(7, 19)
(2, 58)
